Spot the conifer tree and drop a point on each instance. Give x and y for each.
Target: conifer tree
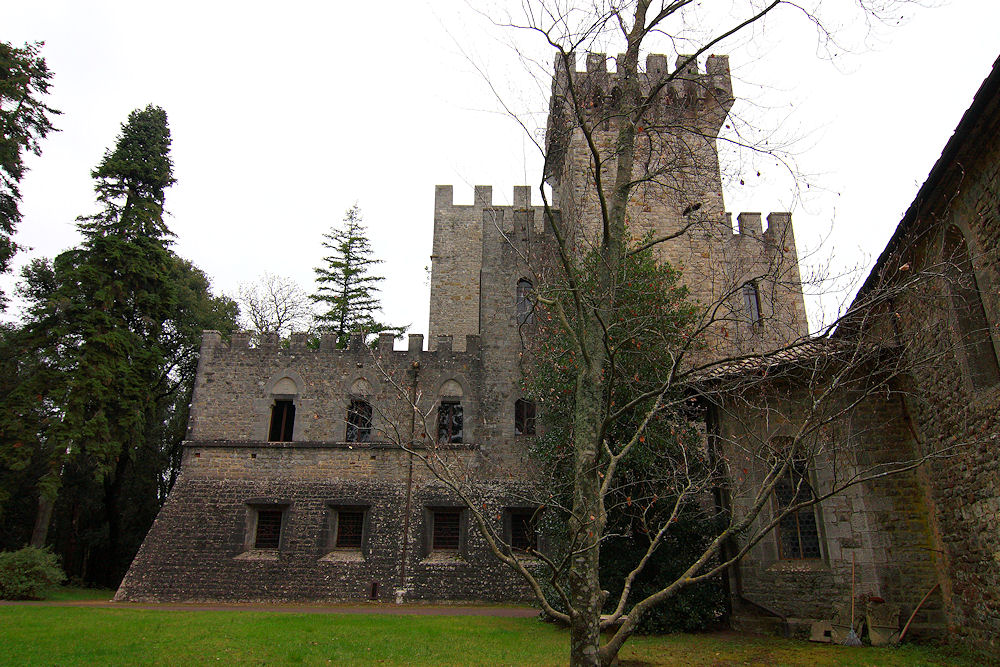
(347, 288)
(123, 318)
(24, 122)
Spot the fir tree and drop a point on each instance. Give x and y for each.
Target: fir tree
(24, 122)
(347, 288)
(123, 317)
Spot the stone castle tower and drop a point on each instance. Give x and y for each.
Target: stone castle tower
(293, 485)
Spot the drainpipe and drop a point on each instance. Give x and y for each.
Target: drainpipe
(401, 591)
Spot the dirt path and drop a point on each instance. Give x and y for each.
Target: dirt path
(394, 609)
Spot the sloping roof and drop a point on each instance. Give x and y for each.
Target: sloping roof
(986, 101)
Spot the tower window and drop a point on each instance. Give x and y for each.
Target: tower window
(751, 301)
(525, 307)
(524, 417)
(282, 421)
(450, 422)
(359, 421)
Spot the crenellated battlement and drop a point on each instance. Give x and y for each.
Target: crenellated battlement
(444, 198)
(682, 86)
(298, 343)
(779, 226)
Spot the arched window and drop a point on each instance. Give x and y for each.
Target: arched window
(751, 301)
(975, 340)
(283, 410)
(359, 421)
(451, 420)
(525, 306)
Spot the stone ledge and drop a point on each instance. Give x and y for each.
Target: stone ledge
(259, 444)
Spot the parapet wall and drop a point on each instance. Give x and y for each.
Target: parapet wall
(237, 386)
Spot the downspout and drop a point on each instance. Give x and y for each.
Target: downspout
(401, 591)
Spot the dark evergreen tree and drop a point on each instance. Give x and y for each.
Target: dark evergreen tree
(347, 288)
(122, 316)
(24, 122)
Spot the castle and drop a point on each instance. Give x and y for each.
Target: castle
(293, 486)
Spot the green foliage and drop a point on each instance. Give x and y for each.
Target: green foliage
(28, 574)
(649, 328)
(24, 122)
(346, 287)
(111, 339)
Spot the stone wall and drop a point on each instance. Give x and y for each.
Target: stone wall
(201, 546)
(953, 411)
(881, 530)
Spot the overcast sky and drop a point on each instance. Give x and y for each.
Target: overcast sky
(283, 115)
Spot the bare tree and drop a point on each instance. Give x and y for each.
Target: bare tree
(274, 305)
(734, 409)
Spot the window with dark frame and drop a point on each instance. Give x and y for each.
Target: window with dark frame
(525, 307)
(524, 417)
(751, 300)
(523, 532)
(450, 422)
(282, 421)
(446, 529)
(350, 524)
(798, 531)
(970, 315)
(267, 534)
(359, 421)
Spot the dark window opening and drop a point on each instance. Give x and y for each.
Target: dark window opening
(525, 306)
(359, 421)
(446, 530)
(282, 421)
(449, 422)
(751, 299)
(524, 417)
(268, 533)
(350, 529)
(798, 532)
(523, 532)
(967, 304)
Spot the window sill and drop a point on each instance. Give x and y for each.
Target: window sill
(258, 554)
(344, 556)
(443, 558)
(804, 565)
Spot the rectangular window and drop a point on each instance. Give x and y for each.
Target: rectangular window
(282, 421)
(359, 421)
(798, 532)
(446, 529)
(267, 534)
(523, 532)
(524, 417)
(349, 527)
(449, 422)
(751, 299)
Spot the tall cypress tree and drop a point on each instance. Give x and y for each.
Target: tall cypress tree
(347, 287)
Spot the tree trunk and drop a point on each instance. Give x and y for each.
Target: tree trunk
(587, 522)
(43, 518)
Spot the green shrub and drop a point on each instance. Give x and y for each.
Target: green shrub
(28, 573)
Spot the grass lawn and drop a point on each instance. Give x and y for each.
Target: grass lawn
(76, 593)
(38, 635)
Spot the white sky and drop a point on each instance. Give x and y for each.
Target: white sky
(283, 115)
